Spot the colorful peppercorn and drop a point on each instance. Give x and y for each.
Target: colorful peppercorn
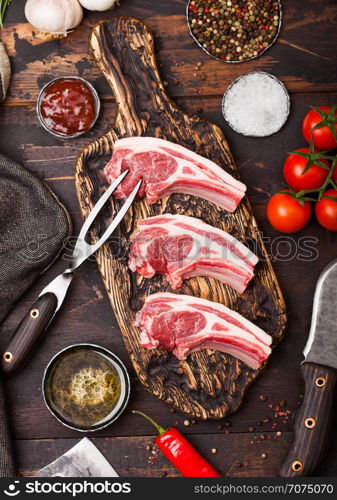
(234, 30)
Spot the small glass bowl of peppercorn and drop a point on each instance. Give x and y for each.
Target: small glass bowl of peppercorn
(234, 31)
(67, 107)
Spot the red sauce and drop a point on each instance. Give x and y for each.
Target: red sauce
(68, 106)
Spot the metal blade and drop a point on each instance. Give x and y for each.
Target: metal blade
(83, 460)
(59, 287)
(98, 207)
(117, 220)
(321, 347)
(84, 249)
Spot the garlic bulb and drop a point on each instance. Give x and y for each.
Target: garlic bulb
(98, 4)
(54, 16)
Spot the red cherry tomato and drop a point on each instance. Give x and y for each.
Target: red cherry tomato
(322, 137)
(287, 214)
(326, 211)
(294, 167)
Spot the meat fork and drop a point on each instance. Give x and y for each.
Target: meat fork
(37, 320)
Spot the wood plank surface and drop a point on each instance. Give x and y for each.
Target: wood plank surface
(308, 27)
(87, 299)
(259, 160)
(139, 457)
(131, 457)
(312, 65)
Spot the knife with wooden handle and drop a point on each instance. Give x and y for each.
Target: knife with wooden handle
(319, 371)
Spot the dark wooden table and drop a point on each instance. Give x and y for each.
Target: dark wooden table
(304, 58)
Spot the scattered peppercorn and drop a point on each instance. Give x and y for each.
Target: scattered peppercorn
(199, 111)
(214, 450)
(283, 404)
(187, 423)
(234, 30)
(262, 398)
(279, 433)
(251, 429)
(263, 455)
(266, 420)
(263, 437)
(228, 423)
(259, 423)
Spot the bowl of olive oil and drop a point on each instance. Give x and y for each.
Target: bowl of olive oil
(86, 387)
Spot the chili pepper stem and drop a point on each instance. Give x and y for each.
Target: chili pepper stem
(159, 428)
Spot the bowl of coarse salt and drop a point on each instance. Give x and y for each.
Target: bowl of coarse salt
(257, 104)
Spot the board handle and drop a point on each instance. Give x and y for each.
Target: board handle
(117, 45)
(312, 421)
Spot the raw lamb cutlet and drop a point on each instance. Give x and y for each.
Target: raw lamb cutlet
(168, 168)
(187, 324)
(182, 247)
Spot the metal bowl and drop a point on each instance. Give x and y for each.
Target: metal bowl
(124, 395)
(58, 134)
(244, 60)
(243, 76)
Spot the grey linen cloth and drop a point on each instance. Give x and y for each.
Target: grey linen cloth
(33, 227)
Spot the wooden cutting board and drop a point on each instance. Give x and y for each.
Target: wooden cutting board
(209, 384)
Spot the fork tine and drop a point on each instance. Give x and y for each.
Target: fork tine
(128, 202)
(99, 205)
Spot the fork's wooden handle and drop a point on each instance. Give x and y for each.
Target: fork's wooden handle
(28, 333)
(312, 421)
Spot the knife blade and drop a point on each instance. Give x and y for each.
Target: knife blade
(83, 460)
(319, 371)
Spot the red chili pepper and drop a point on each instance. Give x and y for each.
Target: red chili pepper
(181, 453)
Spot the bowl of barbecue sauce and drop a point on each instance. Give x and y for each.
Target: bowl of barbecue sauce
(86, 387)
(67, 107)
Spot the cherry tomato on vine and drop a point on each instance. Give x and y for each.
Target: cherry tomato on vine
(294, 174)
(286, 214)
(323, 137)
(326, 210)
